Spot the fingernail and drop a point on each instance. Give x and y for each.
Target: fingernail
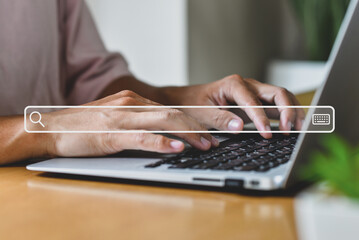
(205, 142)
(215, 141)
(234, 125)
(289, 125)
(176, 144)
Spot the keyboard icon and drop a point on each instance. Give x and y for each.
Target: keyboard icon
(321, 119)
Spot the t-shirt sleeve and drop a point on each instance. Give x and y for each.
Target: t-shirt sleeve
(89, 67)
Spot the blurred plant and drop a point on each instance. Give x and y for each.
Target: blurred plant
(337, 165)
(321, 20)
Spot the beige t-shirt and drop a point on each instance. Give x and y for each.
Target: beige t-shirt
(52, 54)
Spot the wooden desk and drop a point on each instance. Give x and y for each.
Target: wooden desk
(37, 206)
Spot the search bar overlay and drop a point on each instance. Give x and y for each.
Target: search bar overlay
(175, 119)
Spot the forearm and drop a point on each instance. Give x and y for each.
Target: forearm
(16, 144)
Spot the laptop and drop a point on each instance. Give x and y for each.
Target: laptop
(245, 161)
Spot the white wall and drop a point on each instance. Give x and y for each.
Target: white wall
(152, 34)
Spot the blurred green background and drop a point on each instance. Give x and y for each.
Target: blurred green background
(320, 20)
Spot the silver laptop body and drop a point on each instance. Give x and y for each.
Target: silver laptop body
(340, 90)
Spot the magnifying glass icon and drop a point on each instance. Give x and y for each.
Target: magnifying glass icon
(37, 121)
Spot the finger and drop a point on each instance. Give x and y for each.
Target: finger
(179, 121)
(182, 126)
(287, 115)
(243, 96)
(146, 142)
(187, 123)
(172, 120)
(127, 98)
(300, 114)
(280, 97)
(221, 119)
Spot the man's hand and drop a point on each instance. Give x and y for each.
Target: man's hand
(165, 119)
(242, 92)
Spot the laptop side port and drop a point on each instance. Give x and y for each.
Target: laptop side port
(234, 183)
(254, 183)
(206, 179)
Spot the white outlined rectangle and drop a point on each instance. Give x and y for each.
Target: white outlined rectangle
(306, 125)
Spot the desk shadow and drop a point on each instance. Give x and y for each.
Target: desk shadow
(23, 163)
(290, 192)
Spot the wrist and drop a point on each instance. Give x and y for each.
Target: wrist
(17, 144)
(35, 144)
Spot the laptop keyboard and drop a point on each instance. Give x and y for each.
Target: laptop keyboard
(250, 154)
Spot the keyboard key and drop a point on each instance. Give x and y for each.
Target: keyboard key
(228, 165)
(262, 144)
(263, 150)
(237, 162)
(273, 164)
(222, 167)
(260, 161)
(246, 167)
(282, 160)
(154, 165)
(186, 164)
(207, 165)
(263, 168)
